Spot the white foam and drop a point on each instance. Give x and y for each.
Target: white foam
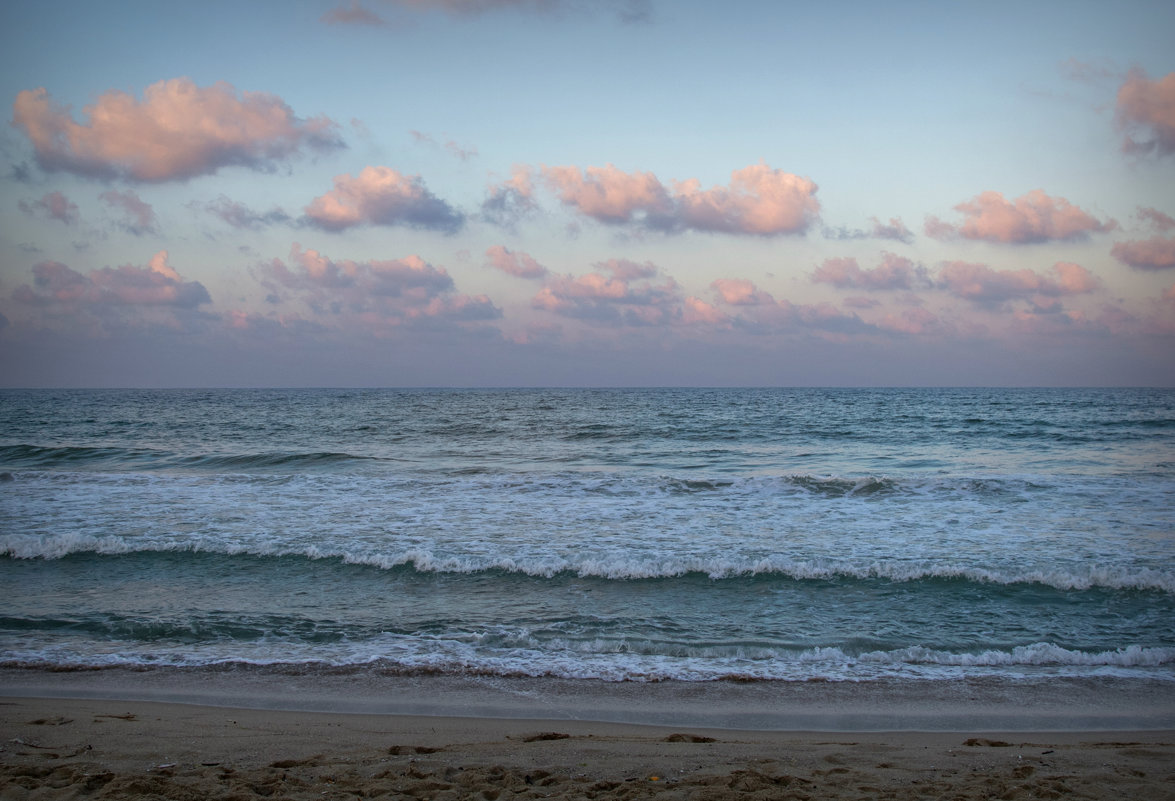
(1038, 654)
(403, 653)
(612, 565)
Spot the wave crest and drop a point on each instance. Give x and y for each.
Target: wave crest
(619, 567)
(432, 656)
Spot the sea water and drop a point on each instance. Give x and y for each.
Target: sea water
(612, 534)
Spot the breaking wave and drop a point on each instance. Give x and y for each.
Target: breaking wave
(618, 567)
(407, 655)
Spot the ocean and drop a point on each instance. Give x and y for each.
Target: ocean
(613, 534)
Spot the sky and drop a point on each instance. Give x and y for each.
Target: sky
(572, 193)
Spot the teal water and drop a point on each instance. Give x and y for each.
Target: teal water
(612, 534)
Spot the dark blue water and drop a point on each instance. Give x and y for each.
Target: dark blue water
(614, 534)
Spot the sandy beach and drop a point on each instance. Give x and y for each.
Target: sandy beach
(121, 746)
(123, 749)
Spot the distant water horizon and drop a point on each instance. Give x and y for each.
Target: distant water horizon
(616, 534)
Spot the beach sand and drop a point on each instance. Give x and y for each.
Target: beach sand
(62, 748)
(253, 733)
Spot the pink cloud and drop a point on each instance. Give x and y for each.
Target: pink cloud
(621, 292)
(1156, 253)
(763, 314)
(54, 205)
(140, 217)
(391, 278)
(696, 310)
(740, 292)
(457, 308)
(982, 284)
(626, 270)
(895, 229)
(842, 272)
(382, 196)
(611, 195)
(508, 202)
(157, 284)
(54, 282)
(894, 272)
(1161, 221)
(1075, 279)
(352, 14)
(1147, 108)
(238, 215)
(821, 319)
(937, 229)
(384, 292)
(521, 265)
(1035, 217)
(759, 200)
(240, 320)
(177, 131)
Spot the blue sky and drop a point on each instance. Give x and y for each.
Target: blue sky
(503, 192)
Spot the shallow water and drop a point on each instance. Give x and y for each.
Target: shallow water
(610, 534)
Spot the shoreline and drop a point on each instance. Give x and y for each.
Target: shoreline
(974, 705)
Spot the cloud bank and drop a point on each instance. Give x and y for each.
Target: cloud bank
(758, 312)
(157, 284)
(375, 294)
(981, 284)
(894, 272)
(619, 292)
